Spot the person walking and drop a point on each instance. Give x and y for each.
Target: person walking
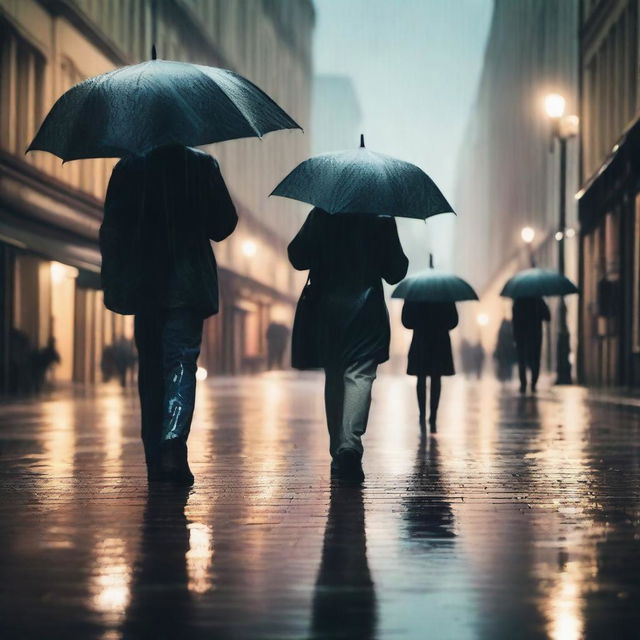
(527, 317)
(161, 210)
(430, 351)
(342, 320)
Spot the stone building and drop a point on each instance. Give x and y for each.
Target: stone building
(609, 199)
(50, 213)
(508, 172)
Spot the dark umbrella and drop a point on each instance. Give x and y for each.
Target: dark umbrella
(538, 282)
(136, 108)
(434, 286)
(362, 181)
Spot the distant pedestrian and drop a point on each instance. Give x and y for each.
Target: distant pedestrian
(161, 210)
(505, 354)
(342, 324)
(478, 359)
(430, 352)
(527, 316)
(277, 338)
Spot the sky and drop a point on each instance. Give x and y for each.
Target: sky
(416, 66)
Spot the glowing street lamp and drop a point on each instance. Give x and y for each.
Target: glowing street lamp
(249, 248)
(554, 105)
(528, 235)
(563, 128)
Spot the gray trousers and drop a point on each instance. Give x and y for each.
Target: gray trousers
(347, 398)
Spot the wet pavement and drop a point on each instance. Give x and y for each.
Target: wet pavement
(519, 519)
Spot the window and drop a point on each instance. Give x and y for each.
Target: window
(21, 95)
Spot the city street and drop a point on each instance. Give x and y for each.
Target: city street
(519, 519)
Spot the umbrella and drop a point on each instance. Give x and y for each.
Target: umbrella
(538, 282)
(136, 108)
(434, 286)
(362, 181)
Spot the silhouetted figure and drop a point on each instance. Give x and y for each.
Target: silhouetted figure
(430, 352)
(344, 601)
(347, 327)
(118, 359)
(42, 360)
(466, 355)
(478, 356)
(505, 353)
(20, 376)
(277, 338)
(160, 212)
(527, 316)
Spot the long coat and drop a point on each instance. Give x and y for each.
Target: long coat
(430, 351)
(160, 211)
(348, 255)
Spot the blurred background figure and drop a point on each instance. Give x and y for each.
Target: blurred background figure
(430, 352)
(277, 340)
(528, 315)
(42, 361)
(505, 354)
(118, 359)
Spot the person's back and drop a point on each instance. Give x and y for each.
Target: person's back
(160, 212)
(348, 256)
(527, 316)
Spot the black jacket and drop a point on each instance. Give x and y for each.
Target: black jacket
(160, 211)
(348, 255)
(430, 351)
(527, 317)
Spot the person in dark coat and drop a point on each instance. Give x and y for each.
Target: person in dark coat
(527, 317)
(505, 352)
(348, 255)
(430, 352)
(277, 337)
(161, 210)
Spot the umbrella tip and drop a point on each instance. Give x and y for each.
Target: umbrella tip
(431, 261)
(362, 140)
(154, 54)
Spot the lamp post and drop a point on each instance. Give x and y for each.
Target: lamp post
(528, 235)
(563, 128)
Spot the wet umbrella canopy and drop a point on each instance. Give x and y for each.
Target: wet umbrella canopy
(538, 282)
(362, 181)
(434, 286)
(136, 108)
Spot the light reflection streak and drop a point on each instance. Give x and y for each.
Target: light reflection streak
(199, 557)
(110, 580)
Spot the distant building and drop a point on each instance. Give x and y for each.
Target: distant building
(609, 197)
(336, 115)
(507, 176)
(50, 213)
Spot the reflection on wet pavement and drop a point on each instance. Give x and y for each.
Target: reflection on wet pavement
(519, 519)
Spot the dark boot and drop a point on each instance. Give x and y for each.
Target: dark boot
(174, 464)
(350, 467)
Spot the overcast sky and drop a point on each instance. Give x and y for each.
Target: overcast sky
(415, 64)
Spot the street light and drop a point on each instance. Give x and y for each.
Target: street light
(563, 128)
(249, 248)
(528, 235)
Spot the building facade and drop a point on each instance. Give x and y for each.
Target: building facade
(508, 168)
(609, 200)
(50, 213)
